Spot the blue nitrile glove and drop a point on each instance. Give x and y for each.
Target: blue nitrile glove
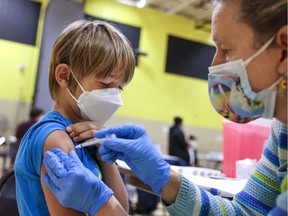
(134, 146)
(72, 183)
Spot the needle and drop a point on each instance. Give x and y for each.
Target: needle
(90, 143)
(95, 141)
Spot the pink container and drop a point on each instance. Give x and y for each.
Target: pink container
(242, 141)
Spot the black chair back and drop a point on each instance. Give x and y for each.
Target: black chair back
(8, 203)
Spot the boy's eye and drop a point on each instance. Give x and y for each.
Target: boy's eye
(104, 84)
(110, 85)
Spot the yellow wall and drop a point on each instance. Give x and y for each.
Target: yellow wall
(154, 94)
(18, 84)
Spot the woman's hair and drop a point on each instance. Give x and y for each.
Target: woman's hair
(266, 17)
(91, 47)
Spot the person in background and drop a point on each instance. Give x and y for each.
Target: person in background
(177, 142)
(247, 80)
(35, 115)
(192, 149)
(90, 63)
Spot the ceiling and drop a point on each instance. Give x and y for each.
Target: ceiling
(197, 10)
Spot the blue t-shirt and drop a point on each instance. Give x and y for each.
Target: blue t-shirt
(29, 193)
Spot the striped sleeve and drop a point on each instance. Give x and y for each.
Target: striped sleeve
(193, 200)
(265, 192)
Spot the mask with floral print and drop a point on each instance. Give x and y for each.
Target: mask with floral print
(232, 96)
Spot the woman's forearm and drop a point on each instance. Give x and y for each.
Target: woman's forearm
(113, 180)
(170, 190)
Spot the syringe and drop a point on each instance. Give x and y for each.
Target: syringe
(93, 142)
(90, 143)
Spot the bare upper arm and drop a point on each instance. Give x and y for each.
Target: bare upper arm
(58, 139)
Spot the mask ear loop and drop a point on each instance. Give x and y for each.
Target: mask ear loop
(264, 47)
(77, 81)
(71, 95)
(279, 81)
(78, 84)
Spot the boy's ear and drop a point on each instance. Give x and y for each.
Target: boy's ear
(62, 74)
(281, 40)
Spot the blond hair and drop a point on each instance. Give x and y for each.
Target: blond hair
(89, 46)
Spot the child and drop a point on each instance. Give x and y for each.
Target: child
(90, 62)
(192, 149)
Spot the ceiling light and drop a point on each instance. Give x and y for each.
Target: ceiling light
(136, 3)
(141, 3)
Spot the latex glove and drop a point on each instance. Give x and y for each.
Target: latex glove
(72, 183)
(134, 146)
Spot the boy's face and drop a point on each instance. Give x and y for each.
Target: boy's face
(88, 83)
(91, 82)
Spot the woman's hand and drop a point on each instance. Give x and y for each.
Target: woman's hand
(73, 184)
(133, 145)
(83, 132)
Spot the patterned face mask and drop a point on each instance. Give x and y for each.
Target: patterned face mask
(231, 94)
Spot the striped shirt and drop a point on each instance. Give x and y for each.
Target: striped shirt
(264, 194)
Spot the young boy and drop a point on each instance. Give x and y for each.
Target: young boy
(91, 62)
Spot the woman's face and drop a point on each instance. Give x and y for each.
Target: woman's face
(235, 40)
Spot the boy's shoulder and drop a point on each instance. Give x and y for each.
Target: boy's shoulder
(53, 117)
(51, 121)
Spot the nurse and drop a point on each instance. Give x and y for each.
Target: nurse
(247, 80)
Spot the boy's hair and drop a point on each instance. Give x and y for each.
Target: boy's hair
(91, 47)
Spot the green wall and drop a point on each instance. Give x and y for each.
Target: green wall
(154, 94)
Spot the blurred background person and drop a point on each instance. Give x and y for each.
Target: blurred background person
(35, 115)
(192, 150)
(177, 142)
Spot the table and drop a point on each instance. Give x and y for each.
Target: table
(214, 159)
(225, 187)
